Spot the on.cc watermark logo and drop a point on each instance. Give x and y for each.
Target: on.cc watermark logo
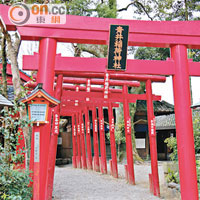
(21, 14)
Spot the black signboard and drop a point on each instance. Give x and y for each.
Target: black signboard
(118, 45)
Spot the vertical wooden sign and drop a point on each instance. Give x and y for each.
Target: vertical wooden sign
(36, 177)
(118, 44)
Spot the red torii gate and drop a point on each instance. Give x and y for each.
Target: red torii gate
(154, 178)
(97, 96)
(178, 36)
(84, 109)
(117, 76)
(96, 158)
(155, 192)
(117, 97)
(126, 99)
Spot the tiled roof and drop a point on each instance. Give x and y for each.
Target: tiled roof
(4, 101)
(167, 122)
(160, 107)
(43, 93)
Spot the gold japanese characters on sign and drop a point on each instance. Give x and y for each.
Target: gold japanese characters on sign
(118, 47)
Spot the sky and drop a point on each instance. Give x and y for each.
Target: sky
(163, 89)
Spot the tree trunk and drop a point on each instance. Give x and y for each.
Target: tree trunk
(4, 65)
(12, 53)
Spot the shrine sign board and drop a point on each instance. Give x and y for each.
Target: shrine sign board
(118, 44)
(38, 112)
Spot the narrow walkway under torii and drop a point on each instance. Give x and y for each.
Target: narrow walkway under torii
(71, 184)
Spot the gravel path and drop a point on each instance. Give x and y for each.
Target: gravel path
(78, 184)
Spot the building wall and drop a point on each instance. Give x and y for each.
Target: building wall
(141, 132)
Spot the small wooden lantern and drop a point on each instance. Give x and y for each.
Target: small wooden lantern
(38, 103)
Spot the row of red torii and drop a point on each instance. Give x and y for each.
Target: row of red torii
(178, 36)
(79, 102)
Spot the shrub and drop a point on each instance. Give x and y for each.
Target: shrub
(14, 184)
(172, 176)
(172, 144)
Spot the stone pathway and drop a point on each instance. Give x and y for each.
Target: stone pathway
(78, 184)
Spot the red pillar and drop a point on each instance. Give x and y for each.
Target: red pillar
(79, 165)
(74, 141)
(184, 127)
(102, 141)
(88, 139)
(112, 141)
(54, 138)
(47, 52)
(46, 72)
(82, 135)
(129, 148)
(152, 139)
(77, 142)
(95, 140)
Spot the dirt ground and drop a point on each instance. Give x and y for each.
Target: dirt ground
(78, 184)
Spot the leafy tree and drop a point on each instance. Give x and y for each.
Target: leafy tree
(10, 47)
(152, 53)
(167, 10)
(196, 131)
(106, 9)
(172, 144)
